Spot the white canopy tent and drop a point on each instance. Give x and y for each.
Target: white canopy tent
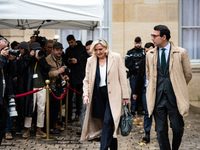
(51, 14)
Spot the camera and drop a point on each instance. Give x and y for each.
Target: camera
(14, 52)
(40, 53)
(67, 70)
(12, 106)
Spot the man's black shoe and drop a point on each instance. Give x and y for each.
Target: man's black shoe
(54, 131)
(78, 133)
(146, 138)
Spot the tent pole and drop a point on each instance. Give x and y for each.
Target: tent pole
(100, 29)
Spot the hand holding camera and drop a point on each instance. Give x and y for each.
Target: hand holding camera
(5, 52)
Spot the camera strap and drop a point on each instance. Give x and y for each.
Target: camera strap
(35, 66)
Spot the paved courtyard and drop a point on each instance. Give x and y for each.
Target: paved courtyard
(68, 140)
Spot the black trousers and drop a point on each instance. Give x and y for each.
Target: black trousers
(79, 88)
(161, 111)
(107, 140)
(3, 117)
(54, 111)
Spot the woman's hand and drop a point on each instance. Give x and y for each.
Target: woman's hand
(86, 100)
(125, 101)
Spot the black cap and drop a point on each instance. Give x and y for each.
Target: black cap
(35, 46)
(57, 45)
(23, 45)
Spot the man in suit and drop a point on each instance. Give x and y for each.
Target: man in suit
(168, 71)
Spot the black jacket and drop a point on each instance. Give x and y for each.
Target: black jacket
(8, 69)
(77, 71)
(44, 69)
(133, 59)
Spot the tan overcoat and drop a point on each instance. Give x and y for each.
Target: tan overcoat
(117, 90)
(53, 73)
(180, 74)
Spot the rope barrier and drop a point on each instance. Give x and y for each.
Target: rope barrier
(28, 93)
(57, 98)
(60, 98)
(74, 90)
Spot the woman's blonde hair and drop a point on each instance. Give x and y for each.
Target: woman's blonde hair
(102, 42)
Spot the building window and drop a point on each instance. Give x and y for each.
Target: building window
(189, 27)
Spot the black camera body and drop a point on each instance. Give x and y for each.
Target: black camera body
(14, 52)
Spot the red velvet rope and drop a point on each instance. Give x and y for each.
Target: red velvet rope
(59, 98)
(74, 90)
(25, 94)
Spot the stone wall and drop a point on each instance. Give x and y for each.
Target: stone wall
(24, 35)
(133, 18)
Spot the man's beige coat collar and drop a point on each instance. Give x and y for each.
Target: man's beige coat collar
(174, 49)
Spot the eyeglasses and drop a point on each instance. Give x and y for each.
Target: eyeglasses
(154, 36)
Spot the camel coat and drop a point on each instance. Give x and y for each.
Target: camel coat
(180, 74)
(117, 90)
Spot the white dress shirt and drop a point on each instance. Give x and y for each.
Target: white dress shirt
(102, 76)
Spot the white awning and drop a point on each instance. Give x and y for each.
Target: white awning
(51, 14)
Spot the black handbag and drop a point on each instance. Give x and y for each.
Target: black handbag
(126, 122)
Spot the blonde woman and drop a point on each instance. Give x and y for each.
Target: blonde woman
(105, 87)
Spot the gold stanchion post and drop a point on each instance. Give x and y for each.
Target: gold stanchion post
(66, 107)
(61, 109)
(47, 113)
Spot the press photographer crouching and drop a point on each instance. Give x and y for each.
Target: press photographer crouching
(7, 69)
(58, 76)
(37, 74)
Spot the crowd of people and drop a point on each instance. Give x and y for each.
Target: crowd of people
(158, 75)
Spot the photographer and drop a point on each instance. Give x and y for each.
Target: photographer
(57, 76)
(37, 74)
(7, 67)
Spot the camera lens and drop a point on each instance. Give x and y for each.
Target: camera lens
(14, 52)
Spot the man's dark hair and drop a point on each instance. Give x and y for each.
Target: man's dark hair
(88, 43)
(70, 37)
(164, 30)
(138, 39)
(149, 44)
(13, 44)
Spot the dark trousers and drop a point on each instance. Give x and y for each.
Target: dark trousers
(107, 139)
(54, 111)
(3, 117)
(9, 125)
(161, 111)
(132, 85)
(147, 120)
(79, 88)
